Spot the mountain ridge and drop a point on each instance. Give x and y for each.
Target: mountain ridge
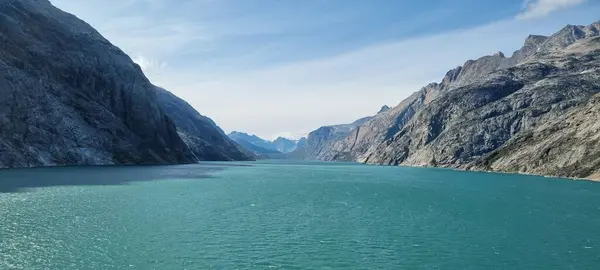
(90, 104)
(474, 98)
(263, 147)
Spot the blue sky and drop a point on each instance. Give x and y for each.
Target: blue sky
(286, 67)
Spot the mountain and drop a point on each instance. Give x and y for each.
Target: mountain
(363, 141)
(265, 148)
(300, 143)
(69, 97)
(316, 146)
(206, 140)
(259, 151)
(383, 109)
(523, 113)
(253, 139)
(566, 146)
(285, 145)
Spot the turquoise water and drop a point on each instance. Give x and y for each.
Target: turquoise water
(294, 216)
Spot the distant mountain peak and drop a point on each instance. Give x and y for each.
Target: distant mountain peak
(384, 108)
(238, 133)
(251, 142)
(280, 138)
(535, 40)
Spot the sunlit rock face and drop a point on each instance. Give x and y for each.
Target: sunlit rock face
(495, 113)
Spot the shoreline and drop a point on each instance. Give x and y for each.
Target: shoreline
(216, 162)
(592, 178)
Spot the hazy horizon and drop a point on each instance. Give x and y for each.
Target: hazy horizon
(286, 68)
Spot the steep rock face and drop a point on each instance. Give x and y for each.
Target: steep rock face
(383, 109)
(483, 124)
(365, 139)
(284, 145)
(317, 141)
(301, 143)
(69, 97)
(566, 146)
(318, 144)
(206, 140)
(483, 81)
(569, 35)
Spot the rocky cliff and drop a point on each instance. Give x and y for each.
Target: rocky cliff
(318, 144)
(483, 112)
(206, 140)
(566, 145)
(285, 145)
(472, 120)
(364, 140)
(69, 97)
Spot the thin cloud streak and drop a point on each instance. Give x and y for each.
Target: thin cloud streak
(305, 95)
(540, 8)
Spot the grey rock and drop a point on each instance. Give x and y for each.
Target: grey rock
(362, 141)
(495, 113)
(383, 109)
(319, 143)
(69, 97)
(566, 146)
(206, 140)
(301, 142)
(285, 145)
(489, 124)
(569, 35)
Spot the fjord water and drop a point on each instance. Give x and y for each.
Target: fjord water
(292, 216)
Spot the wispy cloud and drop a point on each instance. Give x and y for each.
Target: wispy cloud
(541, 8)
(340, 89)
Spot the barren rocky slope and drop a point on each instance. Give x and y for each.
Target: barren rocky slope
(318, 143)
(365, 139)
(206, 140)
(481, 113)
(566, 146)
(471, 121)
(69, 97)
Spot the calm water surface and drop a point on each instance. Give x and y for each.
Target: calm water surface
(294, 216)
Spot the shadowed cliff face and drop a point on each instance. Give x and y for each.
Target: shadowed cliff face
(69, 97)
(206, 140)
